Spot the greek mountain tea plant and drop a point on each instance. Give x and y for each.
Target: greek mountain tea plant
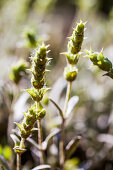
(37, 112)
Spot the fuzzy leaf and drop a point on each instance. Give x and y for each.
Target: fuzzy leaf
(49, 137)
(71, 104)
(15, 139)
(42, 167)
(71, 146)
(59, 109)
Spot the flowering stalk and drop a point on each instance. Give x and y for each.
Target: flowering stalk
(70, 74)
(38, 70)
(36, 112)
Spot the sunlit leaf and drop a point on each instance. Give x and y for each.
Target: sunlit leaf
(42, 167)
(71, 104)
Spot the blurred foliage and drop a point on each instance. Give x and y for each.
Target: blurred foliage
(17, 70)
(71, 164)
(6, 152)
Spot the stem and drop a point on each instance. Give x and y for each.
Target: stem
(40, 138)
(62, 155)
(40, 141)
(19, 155)
(67, 97)
(18, 161)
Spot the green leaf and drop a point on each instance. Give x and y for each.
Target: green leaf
(19, 126)
(71, 146)
(59, 109)
(49, 137)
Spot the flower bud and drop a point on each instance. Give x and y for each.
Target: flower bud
(70, 73)
(93, 56)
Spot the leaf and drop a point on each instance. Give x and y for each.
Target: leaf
(4, 162)
(42, 167)
(19, 126)
(71, 104)
(59, 109)
(49, 137)
(31, 141)
(15, 139)
(71, 146)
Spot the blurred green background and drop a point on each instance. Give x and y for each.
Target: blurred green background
(22, 24)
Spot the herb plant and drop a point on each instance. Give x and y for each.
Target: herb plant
(37, 112)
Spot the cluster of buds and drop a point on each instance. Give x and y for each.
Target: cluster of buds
(36, 112)
(102, 62)
(73, 52)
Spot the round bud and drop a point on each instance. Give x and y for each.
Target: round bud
(70, 73)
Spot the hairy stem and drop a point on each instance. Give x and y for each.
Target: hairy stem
(19, 155)
(40, 141)
(62, 155)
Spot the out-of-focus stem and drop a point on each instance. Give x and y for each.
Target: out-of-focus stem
(62, 155)
(19, 155)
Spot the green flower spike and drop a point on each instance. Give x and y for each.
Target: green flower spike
(75, 43)
(17, 70)
(70, 73)
(38, 66)
(33, 114)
